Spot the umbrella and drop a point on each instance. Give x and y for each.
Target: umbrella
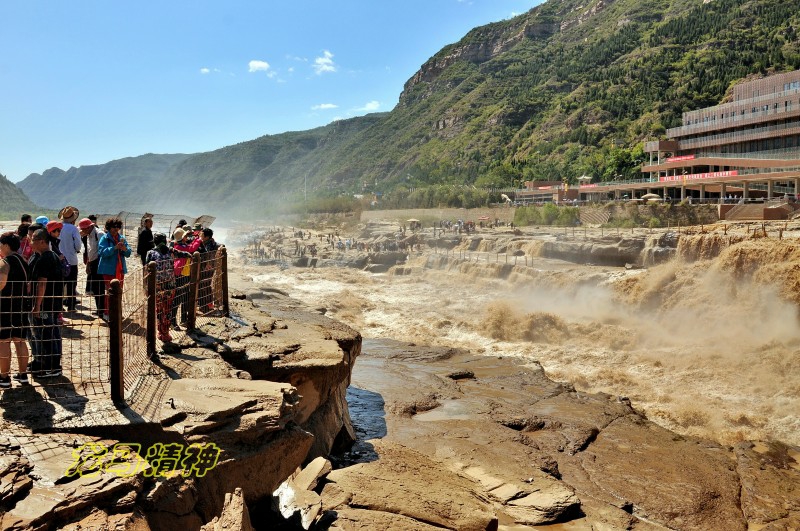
(412, 220)
(650, 196)
(483, 218)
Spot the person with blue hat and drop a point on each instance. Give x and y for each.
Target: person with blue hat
(43, 220)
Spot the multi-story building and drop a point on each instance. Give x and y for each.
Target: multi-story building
(748, 147)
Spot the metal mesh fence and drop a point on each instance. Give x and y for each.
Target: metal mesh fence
(69, 342)
(209, 292)
(137, 363)
(62, 347)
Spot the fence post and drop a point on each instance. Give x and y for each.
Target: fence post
(150, 271)
(115, 361)
(194, 282)
(226, 307)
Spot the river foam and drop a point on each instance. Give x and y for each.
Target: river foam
(697, 347)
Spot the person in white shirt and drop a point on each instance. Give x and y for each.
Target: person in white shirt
(70, 247)
(94, 281)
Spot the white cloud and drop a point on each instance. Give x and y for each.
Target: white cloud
(324, 106)
(325, 63)
(205, 70)
(290, 69)
(258, 66)
(370, 106)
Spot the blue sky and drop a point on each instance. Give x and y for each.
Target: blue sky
(86, 82)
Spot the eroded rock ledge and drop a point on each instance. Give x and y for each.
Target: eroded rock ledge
(267, 389)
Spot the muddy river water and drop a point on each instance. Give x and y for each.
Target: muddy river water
(712, 356)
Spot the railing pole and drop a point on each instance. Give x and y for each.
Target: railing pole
(151, 308)
(226, 307)
(194, 282)
(115, 362)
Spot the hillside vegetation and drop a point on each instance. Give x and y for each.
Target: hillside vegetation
(14, 202)
(567, 89)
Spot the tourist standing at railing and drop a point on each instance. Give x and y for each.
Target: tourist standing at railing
(54, 232)
(145, 241)
(31, 231)
(182, 242)
(47, 286)
(24, 242)
(70, 247)
(163, 257)
(113, 249)
(208, 253)
(94, 281)
(13, 313)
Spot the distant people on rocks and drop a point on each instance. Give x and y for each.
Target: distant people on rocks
(95, 284)
(47, 284)
(145, 242)
(113, 249)
(14, 293)
(70, 246)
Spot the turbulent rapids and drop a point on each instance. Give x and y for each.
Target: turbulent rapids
(706, 343)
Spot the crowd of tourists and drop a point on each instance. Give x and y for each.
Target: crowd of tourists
(39, 277)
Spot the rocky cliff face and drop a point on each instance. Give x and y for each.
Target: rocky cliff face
(479, 46)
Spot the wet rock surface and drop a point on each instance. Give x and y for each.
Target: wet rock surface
(537, 452)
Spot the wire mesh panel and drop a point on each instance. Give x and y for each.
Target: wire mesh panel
(58, 345)
(209, 291)
(80, 342)
(136, 359)
(170, 285)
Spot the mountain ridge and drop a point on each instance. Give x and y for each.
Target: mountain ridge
(566, 89)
